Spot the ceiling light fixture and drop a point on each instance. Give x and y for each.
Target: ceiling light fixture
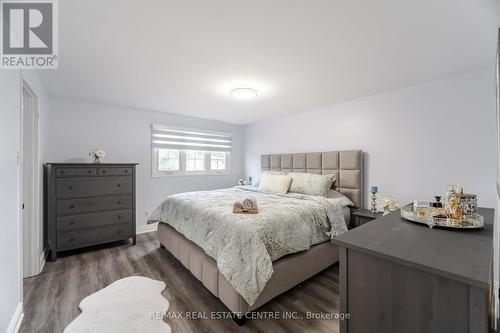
(243, 93)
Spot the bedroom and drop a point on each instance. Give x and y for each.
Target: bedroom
(129, 147)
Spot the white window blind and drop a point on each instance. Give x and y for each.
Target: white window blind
(167, 137)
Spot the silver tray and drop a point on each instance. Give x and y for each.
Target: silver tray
(469, 221)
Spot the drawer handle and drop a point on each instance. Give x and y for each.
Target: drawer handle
(119, 231)
(119, 185)
(119, 202)
(126, 171)
(72, 239)
(89, 171)
(62, 172)
(119, 217)
(71, 207)
(72, 187)
(103, 171)
(72, 222)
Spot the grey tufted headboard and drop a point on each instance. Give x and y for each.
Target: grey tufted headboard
(346, 165)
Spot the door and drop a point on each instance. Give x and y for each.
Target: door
(30, 214)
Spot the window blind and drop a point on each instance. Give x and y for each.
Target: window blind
(168, 137)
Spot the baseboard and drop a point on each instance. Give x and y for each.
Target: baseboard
(42, 261)
(496, 306)
(17, 318)
(141, 229)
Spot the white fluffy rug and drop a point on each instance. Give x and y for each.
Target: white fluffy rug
(125, 306)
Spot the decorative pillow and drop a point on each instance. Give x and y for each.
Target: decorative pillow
(311, 184)
(257, 180)
(275, 183)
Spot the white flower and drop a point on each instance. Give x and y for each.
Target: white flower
(97, 153)
(389, 203)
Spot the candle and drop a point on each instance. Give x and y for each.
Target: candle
(374, 189)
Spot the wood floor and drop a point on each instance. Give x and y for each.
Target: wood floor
(51, 299)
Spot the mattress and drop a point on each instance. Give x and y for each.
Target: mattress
(346, 211)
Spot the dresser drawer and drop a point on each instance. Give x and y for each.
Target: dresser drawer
(87, 205)
(87, 187)
(115, 171)
(77, 171)
(73, 239)
(91, 220)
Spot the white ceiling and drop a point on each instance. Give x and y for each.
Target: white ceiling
(183, 56)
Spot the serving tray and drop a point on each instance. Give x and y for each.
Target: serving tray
(468, 221)
(245, 211)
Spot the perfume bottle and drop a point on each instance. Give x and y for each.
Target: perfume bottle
(437, 208)
(452, 189)
(437, 203)
(422, 210)
(453, 209)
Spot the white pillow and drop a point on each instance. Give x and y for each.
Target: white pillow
(311, 184)
(275, 183)
(257, 180)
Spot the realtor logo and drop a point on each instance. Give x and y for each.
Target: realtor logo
(28, 34)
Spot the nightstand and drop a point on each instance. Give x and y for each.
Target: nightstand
(362, 216)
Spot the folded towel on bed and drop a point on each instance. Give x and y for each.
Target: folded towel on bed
(250, 203)
(238, 205)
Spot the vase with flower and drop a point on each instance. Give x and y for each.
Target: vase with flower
(97, 155)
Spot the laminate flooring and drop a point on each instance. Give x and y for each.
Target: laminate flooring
(51, 298)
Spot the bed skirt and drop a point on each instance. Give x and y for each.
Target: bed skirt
(289, 271)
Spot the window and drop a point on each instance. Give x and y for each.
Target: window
(218, 160)
(178, 152)
(195, 160)
(168, 160)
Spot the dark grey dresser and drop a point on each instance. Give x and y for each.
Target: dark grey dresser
(88, 204)
(398, 276)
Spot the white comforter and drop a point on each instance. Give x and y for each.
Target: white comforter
(245, 245)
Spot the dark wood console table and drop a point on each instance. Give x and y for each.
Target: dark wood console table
(398, 276)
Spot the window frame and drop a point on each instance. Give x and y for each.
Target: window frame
(204, 161)
(156, 173)
(158, 162)
(218, 159)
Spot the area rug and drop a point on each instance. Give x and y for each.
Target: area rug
(130, 305)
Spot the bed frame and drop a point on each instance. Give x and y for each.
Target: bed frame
(291, 269)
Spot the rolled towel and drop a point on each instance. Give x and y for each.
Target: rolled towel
(250, 203)
(237, 205)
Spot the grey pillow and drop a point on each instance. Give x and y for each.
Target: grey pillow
(311, 184)
(332, 194)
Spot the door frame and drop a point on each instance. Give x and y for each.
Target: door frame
(30, 235)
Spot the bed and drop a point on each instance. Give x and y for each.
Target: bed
(246, 260)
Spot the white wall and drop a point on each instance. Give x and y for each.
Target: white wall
(125, 134)
(10, 237)
(417, 139)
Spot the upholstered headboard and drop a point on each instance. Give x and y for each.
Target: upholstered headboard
(347, 166)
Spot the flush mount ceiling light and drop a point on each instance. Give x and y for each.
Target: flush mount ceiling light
(243, 93)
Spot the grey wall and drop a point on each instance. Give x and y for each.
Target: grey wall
(10, 237)
(417, 139)
(125, 134)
